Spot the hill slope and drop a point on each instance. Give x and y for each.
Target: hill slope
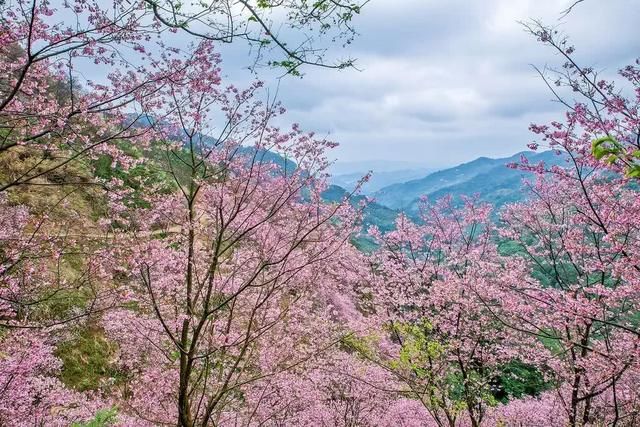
(374, 213)
(489, 178)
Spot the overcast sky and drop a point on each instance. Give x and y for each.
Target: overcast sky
(446, 81)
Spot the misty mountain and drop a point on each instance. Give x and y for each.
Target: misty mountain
(400, 190)
(378, 179)
(489, 178)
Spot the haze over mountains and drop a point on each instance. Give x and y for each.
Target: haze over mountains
(378, 180)
(348, 174)
(397, 186)
(490, 179)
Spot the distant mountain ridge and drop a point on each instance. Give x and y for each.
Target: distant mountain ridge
(490, 179)
(206, 142)
(378, 180)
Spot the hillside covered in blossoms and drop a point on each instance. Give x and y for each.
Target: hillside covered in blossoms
(173, 253)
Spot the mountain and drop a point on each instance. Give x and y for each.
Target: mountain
(206, 142)
(400, 190)
(374, 213)
(489, 178)
(267, 156)
(378, 180)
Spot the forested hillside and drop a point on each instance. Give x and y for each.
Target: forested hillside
(172, 254)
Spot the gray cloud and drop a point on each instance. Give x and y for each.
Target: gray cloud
(443, 82)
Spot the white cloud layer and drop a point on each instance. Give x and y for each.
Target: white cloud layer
(443, 82)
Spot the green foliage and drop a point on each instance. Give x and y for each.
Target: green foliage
(417, 348)
(86, 360)
(364, 346)
(552, 340)
(141, 177)
(424, 358)
(103, 418)
(373, 214)
(609, 150)
(606, 147)
(63, 302)
(420, 350)
(290, 66)
(510, 248)
(516, 380)
(364, 244)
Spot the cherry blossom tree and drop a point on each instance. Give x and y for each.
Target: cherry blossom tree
(578, 234)
(580, 298)
(49, 284)
(274, 234)
(438, 287)
(31, 394)
(227, 279)
(169, 215)
(47, 47)
(603, 113)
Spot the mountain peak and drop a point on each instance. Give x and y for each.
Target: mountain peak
(484, 176)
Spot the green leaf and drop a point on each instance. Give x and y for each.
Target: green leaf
(605, 146)
(633, 172)
(103, 418)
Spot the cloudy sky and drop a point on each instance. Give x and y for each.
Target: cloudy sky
(443, 82)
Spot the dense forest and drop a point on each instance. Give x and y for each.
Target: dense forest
(171, 254)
